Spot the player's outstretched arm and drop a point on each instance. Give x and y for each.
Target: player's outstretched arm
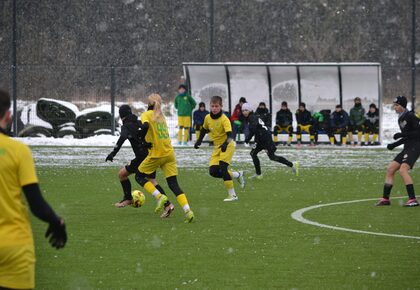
(117, 147)
(41, 209)
(229, 138)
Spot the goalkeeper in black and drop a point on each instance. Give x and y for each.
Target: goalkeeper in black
(133, 130)
(263, 141)
(405, 160)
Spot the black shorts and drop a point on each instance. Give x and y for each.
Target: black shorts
(134, 166)
(408, 155)
(266, 145)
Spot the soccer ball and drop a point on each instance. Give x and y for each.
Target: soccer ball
(138, 198)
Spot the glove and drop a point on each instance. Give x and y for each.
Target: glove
(57, 234)
(197, 144)
(397, 136)
(390, 146)
(110, 157)
(224, 146)
(147, 145)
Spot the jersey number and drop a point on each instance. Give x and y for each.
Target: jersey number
(262, 124)
(162, 131)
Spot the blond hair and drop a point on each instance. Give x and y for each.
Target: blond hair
(157, 103)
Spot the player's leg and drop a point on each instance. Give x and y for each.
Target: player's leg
(350, 133)
(276, 130)
(409, 159)
(126, 186)
(299, 134)
(290, 131)
(197, 131)
(375, 135)
(169, 207)
(311, 133)
(254, 155)
(147, 167)
(180, 129)
(171, 171)
(343, 136)
(331, 135)
(359, 134)
(227, 179)
(389, 180)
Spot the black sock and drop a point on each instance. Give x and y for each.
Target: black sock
(387, 190)
(410, 191)
(126, 185)
(158, 187)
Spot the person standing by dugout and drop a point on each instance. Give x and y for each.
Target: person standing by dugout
(185, 104)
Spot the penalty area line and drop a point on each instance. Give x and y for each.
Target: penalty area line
(298, 216)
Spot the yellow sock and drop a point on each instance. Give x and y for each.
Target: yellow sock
(332, 140)
(298, 137)
(350, 137)
(367, 137)
(180, 135)
(312, 137)
(359, 136)
(183, 202)
(197, 134)
(375, 137)
(228, 184)
(276, 138)
(290, 139)
(150, 188)
(344, 140)
(186, 134)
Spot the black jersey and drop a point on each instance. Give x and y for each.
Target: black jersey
(132, 130)
(410, 128)
(258, 129)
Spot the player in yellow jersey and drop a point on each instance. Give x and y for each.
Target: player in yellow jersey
(161, 155)
(17, 174)
(221, 129)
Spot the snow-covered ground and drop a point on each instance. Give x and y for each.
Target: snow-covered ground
(389, 123)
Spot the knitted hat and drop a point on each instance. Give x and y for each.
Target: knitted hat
(125, 110)
(401, 100)
(247, 107)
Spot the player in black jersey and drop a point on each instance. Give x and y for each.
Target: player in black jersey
(263, 141)
(132, 130)
(405, 160)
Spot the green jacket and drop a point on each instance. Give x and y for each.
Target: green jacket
(318, 116)
(185, 104)
(357, 116)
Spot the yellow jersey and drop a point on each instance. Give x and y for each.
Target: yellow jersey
(218, 128)
(158, 135)
(17, 169)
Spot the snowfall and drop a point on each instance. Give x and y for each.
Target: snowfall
(91, 152)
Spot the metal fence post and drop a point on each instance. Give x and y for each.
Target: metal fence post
(113, 100)
(14, 63)
(413, 57)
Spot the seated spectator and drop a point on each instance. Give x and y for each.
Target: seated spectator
(304, 121)
(339, 125)
(264, 114)
(284, 123)
(372, 125)
(198, 118)
(321, 123)
(357, 121)
(237, 119)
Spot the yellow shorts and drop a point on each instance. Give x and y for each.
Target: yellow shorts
(184, 121)
(281, 129)
(218, 155)
(167, 164)
(305, 128)
(17, 267)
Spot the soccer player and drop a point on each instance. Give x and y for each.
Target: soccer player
(221, 131)
(263, 141)
(372, 125)
(161, 155)
(339, 123)
(284, 123)
(132, 130)
(304, 121)
(405, 160)
(185, 104)
(17, 174)
(198, 118)
(357, 121)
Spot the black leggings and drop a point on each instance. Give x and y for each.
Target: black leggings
(220, 171)
(271, 154)
(172, 182)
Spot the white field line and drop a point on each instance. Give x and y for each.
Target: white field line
(298, 215)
